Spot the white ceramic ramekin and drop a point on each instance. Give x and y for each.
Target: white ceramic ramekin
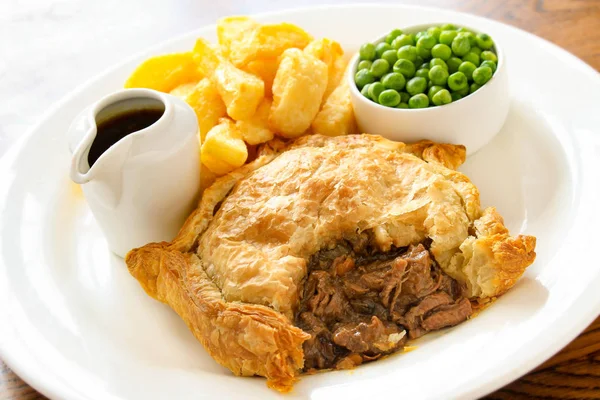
(472, 121)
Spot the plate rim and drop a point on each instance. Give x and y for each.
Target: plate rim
(54, 389)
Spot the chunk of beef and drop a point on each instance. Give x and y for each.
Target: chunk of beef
(419, 280)
(371, 337)
(403, 303)
(325, 298)
(448, 315)
(369, 305)
(319, 350)
(380, 276)
(412, 319)
(452, 287)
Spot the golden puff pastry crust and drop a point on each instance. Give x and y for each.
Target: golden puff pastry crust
(248, 339)
(242, 255)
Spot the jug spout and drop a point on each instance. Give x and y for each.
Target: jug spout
(80, 168)
(81, 136)
(101, 178)
(100, 140)
(106, 172)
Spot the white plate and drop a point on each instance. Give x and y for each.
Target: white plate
(75, 325)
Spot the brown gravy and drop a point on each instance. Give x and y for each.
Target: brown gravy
(117, 127)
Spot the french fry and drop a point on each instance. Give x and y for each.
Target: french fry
(223, 149)
(337, 115)
(256, 129)
(206, 57)
(241, 91)
(232, 30)
(298, 89)
(268, 42)
(207, 104)
(331, 53)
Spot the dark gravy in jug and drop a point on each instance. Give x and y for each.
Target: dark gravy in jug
(117, 127)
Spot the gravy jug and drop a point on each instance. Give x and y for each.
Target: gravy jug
(140, 185)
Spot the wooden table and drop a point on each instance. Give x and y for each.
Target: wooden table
(574, 373)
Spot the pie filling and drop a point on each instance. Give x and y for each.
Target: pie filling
(359, 304)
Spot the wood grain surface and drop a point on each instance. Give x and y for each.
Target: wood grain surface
(574, 373)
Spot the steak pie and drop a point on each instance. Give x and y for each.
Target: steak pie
(328, 252)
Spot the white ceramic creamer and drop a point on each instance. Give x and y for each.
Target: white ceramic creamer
(142, 188)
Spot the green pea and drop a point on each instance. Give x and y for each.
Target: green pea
(449, 27)
(484, 41)
(405, 67)
(482, 74)
(461, 45)
(474, 87)
(365, 90)
(472, 57)
(367, 52)
(394, 80)
(423, 53)
(488, 56)
(446, 37)
(472, 39)
(429, 84)
(442, 97)
(418, 61)
(490, 64)
(418, 35)
(418, 101)
(455, 96)
(416, 85)
(433, 90)
(380, 67)
(375, 90)
(402, 105)
(402, 40)
(476, 50)
(423, 73)
(463, 29)
(393, 35)
(467, 69)
(441, 51)
(389, 98)
(363, 77)
(390, 56)
(382, 48)
(425, 65)
(364, 64)
(426, 42)
(463, 92)
(438, 75)
(404, 97)
(438, 61)
(453, 64)
(457, 81)
(435, 32)
(407, 53)
(470, 36)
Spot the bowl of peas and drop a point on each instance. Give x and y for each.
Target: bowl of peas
(441, 82)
